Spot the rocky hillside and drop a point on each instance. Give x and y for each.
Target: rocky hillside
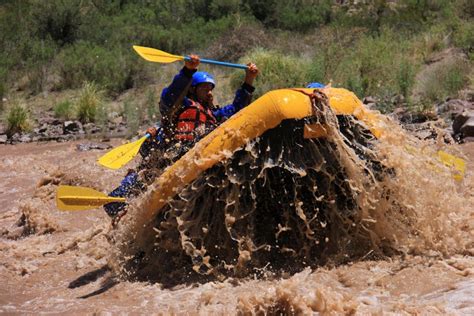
(67, 69)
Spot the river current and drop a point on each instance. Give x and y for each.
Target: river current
(402, 242)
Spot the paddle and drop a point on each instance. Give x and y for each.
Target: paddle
(457, 165)
(120, 156)
(452, 161)
(70, 198)
(159, 56)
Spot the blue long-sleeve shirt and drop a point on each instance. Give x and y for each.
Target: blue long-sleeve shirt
(170, 97)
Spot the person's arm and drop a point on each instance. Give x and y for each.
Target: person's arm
(176, 91)
(153, 142)
(173, 95)
(243, 95)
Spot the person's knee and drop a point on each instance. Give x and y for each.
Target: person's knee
(114, 208)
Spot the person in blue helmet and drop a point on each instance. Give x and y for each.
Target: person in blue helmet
(187, 105)
(188, 113)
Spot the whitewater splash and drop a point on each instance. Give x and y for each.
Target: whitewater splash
(59, 262)
(289, 200)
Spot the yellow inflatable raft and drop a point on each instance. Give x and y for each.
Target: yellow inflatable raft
(231, 204)
(265, 113)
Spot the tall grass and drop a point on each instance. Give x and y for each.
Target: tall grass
(17, 119)
(378, 65)
(463, 37)
(443, 80)
(405, 77)
(63, 110)
(277, 71)
(90, 99)
(83, 61)
(375, 65)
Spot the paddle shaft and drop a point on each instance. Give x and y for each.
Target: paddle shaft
(88, 200)
(219, 63)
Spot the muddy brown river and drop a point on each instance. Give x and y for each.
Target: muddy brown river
(56, 262)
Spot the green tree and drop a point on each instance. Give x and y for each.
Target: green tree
(57, 19)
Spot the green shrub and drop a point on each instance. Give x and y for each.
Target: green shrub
(317, 69)
(276, 71)
(40, 55)
(455, 77)
(466, 8)
(444, 79)
(295, 15)
(356, 85)
(90, 99)
(63, 110)
(433, 41)
(331, 53)
(367, 64)
(168, 26)
(377, 62)
(301, 15)
(222, 8)
(463, 37)
(79, 41)
(88, 62)
(405, 77)
(57, 19)
(196, 34)
(15, 33)
(17, 119)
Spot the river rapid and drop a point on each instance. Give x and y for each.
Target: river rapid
(58, 262)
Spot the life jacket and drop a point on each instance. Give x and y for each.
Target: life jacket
(193, 122)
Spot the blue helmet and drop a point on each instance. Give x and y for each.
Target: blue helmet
(202, 77)
(315, 85)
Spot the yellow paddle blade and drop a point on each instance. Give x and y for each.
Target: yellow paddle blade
(156, 55)
(456, 164)
(120, 156)
(452, 161)
(70, 198)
